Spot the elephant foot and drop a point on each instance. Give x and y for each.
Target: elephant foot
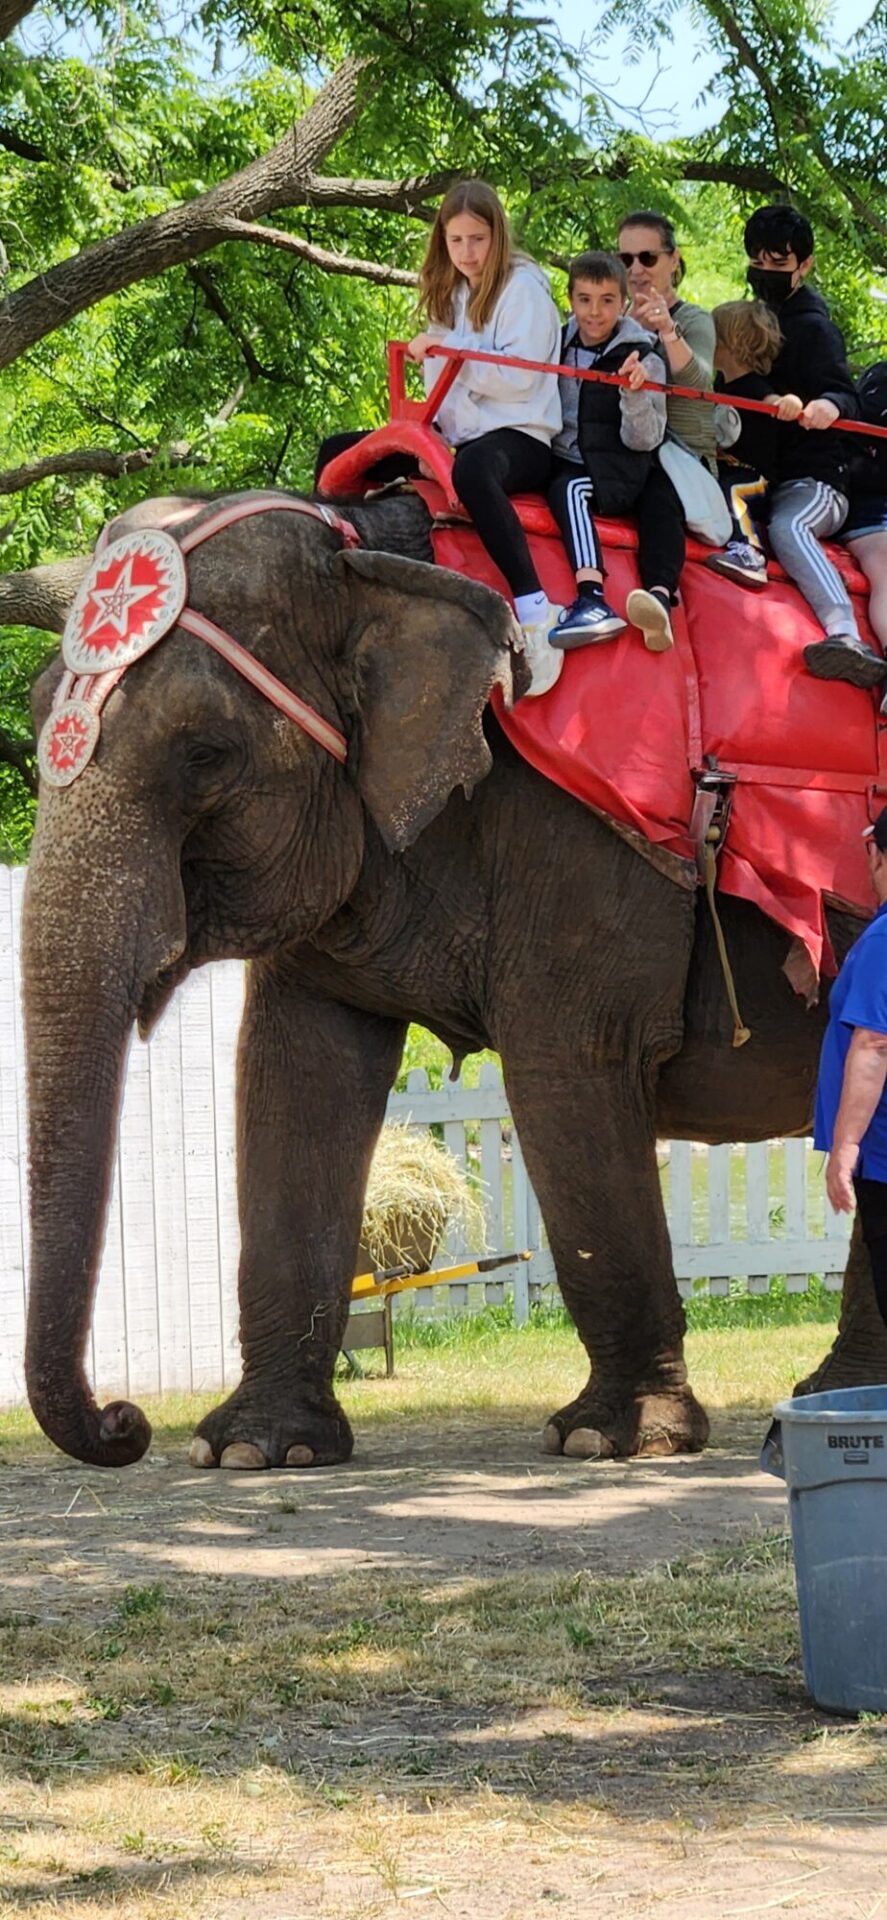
(646, 1424)
(858, 1354)
(848, 1364)
(255, 1429)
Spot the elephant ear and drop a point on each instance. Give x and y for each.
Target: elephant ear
(430, 648)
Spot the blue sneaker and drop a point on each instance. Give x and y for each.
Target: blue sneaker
(586, 622)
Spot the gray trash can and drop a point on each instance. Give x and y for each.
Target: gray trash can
(834, 1447)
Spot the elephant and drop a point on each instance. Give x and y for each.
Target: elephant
(434, 876)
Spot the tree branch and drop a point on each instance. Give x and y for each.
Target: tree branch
(280, 178)
(12, 12)
(864, 213)
(88, 460)
(202, 278)
(735, 38)
(41, 596)
(23, 149)
(389, 196)
(26, 150)
(801, 119)
(620, 166)
(724, 172)
(319, 256)
(732, 31)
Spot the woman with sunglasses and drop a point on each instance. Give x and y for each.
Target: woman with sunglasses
(651, 258)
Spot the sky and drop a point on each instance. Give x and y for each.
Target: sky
(670, 88)
(662, 96)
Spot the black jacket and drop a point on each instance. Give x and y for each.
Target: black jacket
(868, 468)
(812, 364)
(758, 445)
(618, 471)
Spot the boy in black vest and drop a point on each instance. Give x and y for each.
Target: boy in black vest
(604, 451)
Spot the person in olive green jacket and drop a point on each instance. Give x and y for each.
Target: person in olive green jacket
(651, 258)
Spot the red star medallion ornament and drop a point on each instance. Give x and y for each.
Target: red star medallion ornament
(67, 741)
(133, 593)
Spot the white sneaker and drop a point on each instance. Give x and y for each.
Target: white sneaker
(545, 662)
(649, 614)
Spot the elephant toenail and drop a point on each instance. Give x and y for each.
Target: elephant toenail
(244, 1456)
(200, 1452)
(300, 1457)
(552, 1439)
(585, 1443)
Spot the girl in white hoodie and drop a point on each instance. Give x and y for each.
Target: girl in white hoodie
(478, 292)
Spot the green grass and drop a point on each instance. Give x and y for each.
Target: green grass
(819, 1306)
(195, 1745)
(778, 1308)
(450, 1369)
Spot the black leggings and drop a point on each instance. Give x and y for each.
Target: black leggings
(662, 538)
(871, 1201)
(485, 472)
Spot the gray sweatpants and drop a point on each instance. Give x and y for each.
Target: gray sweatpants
(799, 511)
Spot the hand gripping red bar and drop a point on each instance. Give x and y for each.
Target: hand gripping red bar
(459, 354)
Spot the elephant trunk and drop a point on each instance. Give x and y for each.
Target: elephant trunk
(94, 931)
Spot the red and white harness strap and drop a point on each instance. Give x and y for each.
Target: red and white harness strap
(274, 690)
(134, 595)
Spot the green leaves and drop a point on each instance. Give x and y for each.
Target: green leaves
(230, 366)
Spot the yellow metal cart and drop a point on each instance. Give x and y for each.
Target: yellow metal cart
(374, 1328)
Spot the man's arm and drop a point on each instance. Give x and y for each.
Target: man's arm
(865, 1072)
(829, 380)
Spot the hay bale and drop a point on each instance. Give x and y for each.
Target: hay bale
(415, 1191)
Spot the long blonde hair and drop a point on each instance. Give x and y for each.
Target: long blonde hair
(438, 277)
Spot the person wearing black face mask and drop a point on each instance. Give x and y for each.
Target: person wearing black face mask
(809, 487)
(773, 285)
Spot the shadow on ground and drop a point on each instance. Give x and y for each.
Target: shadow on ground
(460, 1496)
(454, 1643)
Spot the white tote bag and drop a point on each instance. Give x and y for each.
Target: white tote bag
(705, 509)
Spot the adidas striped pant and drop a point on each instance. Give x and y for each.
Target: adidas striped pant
(570, 495)
(802, 513)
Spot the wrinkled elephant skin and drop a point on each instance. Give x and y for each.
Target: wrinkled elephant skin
(435, 877)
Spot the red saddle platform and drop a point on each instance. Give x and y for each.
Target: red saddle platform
(626, 730)
(629, 732)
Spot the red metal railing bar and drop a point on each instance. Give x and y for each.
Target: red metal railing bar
(425, 410)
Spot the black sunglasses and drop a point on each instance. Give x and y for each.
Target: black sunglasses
(645, 257)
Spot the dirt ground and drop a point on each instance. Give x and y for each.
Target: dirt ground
(697, 1788)
(442, 1514)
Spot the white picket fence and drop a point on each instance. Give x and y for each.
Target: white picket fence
(166, 1310)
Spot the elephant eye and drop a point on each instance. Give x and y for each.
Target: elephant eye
(203, 750)
(211, 764)
(207, 753)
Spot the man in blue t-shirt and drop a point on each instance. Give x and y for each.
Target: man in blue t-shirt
(851, 1100)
